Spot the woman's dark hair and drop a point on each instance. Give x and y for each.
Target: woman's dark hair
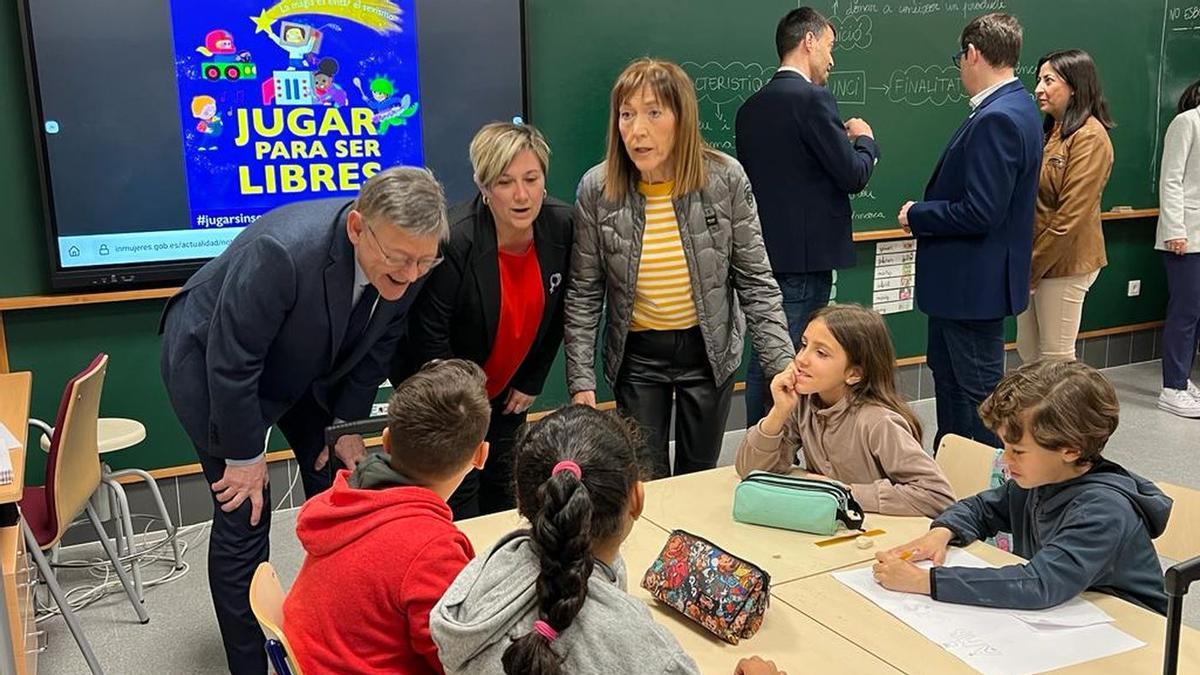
(569, 514)
(1190, 98)
(1078, 71)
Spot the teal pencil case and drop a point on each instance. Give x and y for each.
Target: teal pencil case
(795, 503)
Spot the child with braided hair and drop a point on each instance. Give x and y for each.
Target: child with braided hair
(551, 599)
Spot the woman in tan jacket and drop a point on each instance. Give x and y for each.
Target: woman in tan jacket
(837, 403)
(1068, 239)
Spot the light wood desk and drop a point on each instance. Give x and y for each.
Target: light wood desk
(862, 622)
(17, 620)
(14, 413)
(702, 503)
(787, 637)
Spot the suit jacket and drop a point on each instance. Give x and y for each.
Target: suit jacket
(261, 325)
(974, 229)
(458, 311)
(793, 145)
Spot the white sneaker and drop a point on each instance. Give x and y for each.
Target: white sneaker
(1193, 391)
(1179, 402)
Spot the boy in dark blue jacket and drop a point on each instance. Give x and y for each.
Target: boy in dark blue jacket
(1081, 521)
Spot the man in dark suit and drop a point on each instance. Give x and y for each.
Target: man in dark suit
(803, 163)
(294, 325)
(974, 229)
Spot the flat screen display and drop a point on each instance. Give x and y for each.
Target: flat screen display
(167, 126)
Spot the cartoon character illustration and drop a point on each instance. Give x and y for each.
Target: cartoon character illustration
(224, 61)
(388, 111)
(325, 90)
(218, 46)
(297, 39)
(204, 108)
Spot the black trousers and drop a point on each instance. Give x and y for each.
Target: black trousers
(491, 489)
(658, 366)
(235, 548)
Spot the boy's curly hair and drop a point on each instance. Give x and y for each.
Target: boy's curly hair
(1064, 404)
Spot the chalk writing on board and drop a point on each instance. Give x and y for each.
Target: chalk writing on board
(869, 215)
(915, 8)
(721, 88)
(1180, 26)
(853, 32)
(924, 85)
(848, 86)
(722, 83)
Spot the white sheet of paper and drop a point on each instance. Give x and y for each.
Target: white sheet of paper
(995, 641)
(8, 442)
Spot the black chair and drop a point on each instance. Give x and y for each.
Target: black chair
(1178, 579)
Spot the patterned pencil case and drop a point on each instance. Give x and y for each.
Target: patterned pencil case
(723, 593)
(795, 503)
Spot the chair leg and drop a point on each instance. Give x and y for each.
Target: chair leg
(168, 524)
(138, 605)
(124, 522)
(56, 592)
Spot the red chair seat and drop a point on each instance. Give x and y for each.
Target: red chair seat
(35, 509)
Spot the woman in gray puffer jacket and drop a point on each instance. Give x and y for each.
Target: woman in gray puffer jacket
(667, 235)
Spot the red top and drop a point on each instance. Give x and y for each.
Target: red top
(521, 304)
(377, 561)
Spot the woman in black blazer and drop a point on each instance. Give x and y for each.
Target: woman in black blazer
(497, 298)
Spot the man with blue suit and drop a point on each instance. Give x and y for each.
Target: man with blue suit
(974, 229)
(803, 163)
(294, 325)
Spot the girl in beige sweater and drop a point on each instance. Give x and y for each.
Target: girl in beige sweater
(837, 403)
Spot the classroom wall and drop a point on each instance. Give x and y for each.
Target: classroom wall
(56, 342)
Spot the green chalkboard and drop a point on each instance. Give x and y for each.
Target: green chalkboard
(1180, 58)
(892, 68)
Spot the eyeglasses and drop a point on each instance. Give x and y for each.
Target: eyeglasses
(957, 58)
(403, 262)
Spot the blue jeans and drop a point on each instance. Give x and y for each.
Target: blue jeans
(803, 294)
(1183, 318)
(967, 360)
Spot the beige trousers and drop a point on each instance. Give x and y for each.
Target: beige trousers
(1049, 327)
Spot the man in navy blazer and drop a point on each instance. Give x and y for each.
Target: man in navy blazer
(294, 326)
(803, 163)
(974, 229)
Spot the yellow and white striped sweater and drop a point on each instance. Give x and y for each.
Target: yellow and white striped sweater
(664, 289)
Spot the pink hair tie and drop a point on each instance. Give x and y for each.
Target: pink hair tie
(567, 465)
(542, 628)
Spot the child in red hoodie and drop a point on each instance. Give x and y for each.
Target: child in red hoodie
(381, 545)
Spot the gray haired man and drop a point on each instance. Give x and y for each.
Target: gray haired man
(294, 326)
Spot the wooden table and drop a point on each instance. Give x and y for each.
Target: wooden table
(14, 413)
(702, 503)
(18, 646)
(787, 636)
(814, 621)
(838, 607)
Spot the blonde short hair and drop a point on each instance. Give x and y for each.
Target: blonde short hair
(498, 144)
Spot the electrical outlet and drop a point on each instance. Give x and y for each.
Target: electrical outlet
(1135, 287)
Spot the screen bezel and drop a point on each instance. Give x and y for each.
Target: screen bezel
(103, 278)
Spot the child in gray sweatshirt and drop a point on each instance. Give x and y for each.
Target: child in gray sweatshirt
(552, 598)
